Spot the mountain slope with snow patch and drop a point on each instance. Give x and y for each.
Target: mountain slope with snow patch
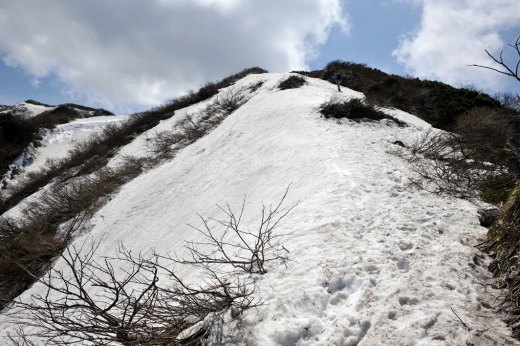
(373, 261)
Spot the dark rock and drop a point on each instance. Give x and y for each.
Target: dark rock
(487, 216)
(399, 143)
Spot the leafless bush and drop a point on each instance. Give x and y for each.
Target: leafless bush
(508, 100)
(460, 164)
(132, 166)
(229, 100)
(255, 86)
(484, 133)
(443, 166)
(62, 201)
(50, 221)
(30, 243)
(191, 128)
(121, 300)
(33, 243)
(194, 126)
(233, 245)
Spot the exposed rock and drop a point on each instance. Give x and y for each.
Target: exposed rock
(487, 216)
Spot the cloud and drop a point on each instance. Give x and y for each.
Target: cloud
(454, 34)
(133, 53)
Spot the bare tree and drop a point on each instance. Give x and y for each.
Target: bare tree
(511, 70)
(508, 100)
(227, 242)
(119, 300)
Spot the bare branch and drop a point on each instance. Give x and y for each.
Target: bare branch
(240, 248)
(119, 300)
(504, 68)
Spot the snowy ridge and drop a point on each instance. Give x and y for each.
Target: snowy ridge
(35, 109)
(372, 260)
(27, 109)
(56, 143)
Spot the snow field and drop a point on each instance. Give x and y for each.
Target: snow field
(57, 142)
(373, 261)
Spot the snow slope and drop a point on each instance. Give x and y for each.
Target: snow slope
(57, 142)
(373, 261)
(29, 110)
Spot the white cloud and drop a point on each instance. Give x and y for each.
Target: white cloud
(132, 53)
(454, 34)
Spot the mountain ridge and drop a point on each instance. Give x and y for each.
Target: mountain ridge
(372, 260)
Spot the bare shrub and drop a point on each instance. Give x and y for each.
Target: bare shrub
(228, 101)
(51, 220)
(443, 166)
(508, 100)
(132, 166)
(254, 87)
(92, 302)
(484, 132)
(94, 154)
(131, 299)
(190, 129)
(243, 249)
(33, 243)
(164, 145)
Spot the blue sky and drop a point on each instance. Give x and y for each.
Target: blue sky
(130, 55)
(375, 30)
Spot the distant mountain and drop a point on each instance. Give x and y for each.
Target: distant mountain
(21, 127)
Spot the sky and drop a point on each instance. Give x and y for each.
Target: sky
(130, 55)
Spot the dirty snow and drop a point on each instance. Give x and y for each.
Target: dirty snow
(373, 261)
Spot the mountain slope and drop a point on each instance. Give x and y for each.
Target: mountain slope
(21, 128)
(372, 260)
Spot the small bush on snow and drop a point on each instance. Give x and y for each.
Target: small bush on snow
(354, 109)
(292, 82)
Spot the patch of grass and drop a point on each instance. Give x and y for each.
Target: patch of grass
(292, 82)
(354, 109)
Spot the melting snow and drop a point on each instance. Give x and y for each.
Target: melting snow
(373, 261)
